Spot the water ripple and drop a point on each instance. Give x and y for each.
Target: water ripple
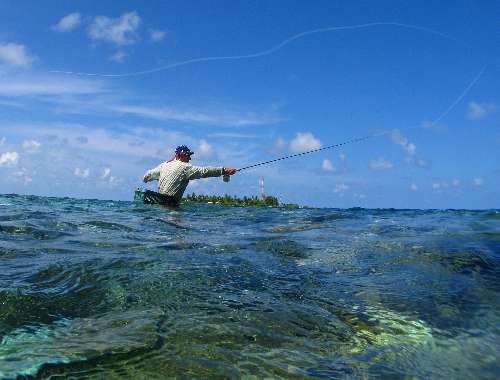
(103, 289)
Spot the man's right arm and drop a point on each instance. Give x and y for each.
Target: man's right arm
(197, 172)
(152, 174)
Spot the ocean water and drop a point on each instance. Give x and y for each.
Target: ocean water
(113, 290)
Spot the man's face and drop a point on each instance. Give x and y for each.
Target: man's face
(183, 157)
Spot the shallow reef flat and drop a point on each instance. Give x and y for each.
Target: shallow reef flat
(105, 289)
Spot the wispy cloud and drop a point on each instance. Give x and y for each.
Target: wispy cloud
(106, 173)
(478, 181)
(233, 135)
(9, 158)
(340, 188)
(16, 55)
(409, 148)
(48, 85)
(31, 146)
(119, 57)
(380, 164)
(304, 141)
(221, 118)
(434, 126)
(477, 111)
(68, 22)
(413, 187)
(204, 148)
(82, 173)
(157, 35)
(327, 165)
(119, 31)
(280, 143)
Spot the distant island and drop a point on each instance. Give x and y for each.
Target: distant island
(267, 200)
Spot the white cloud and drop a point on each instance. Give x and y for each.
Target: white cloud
(9, 158)
(68, 22)
(48, 85)
(23, 174)
(327, 165)
(413, 187)
(340, 188)
(342, 156)
(31, 145)
(280, 143)
(193, 116)
(120, 31)
(157, 35)
(304, 142)
(438, 186)
(119, 57)
(478, 181)
(2, 141)
(403, 142)
(455, 182)
(434, 126)
(380, 164)
(136, 142)
(477, 111)
(420, 162)
(15, 55)
(204, 148)
(82, 173)
(233, 135)
(409, 148)
(106, 173)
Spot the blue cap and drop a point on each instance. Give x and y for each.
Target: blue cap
(183, 149)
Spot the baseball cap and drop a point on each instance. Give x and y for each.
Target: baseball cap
(184, 150)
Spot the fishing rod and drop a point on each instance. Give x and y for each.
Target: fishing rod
(359, 139)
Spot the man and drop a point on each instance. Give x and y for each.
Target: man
(173, 176)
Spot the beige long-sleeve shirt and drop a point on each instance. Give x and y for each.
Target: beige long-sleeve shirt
(174, 176)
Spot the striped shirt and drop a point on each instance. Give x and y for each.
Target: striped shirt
(174, 176)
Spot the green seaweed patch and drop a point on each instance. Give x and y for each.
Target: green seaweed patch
(280, 246)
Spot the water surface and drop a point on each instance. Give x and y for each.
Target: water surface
(103, 289)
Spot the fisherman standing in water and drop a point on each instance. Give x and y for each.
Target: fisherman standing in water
(173, 177)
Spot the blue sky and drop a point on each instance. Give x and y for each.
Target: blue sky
(94, 136)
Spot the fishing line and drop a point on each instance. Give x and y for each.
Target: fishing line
(281, 45)
(383, 133)
(266, 52)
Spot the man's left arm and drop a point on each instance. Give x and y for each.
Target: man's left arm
(152, 174)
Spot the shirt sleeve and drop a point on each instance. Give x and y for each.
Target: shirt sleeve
(196, 172)
(152, 174)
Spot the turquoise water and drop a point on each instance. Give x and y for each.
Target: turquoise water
(103, 289)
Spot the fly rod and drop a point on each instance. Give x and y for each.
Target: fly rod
(352, 141)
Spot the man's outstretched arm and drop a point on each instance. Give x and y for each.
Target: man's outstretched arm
(152, 174)
(197, 172)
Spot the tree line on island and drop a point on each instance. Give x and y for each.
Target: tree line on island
(266, 200)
